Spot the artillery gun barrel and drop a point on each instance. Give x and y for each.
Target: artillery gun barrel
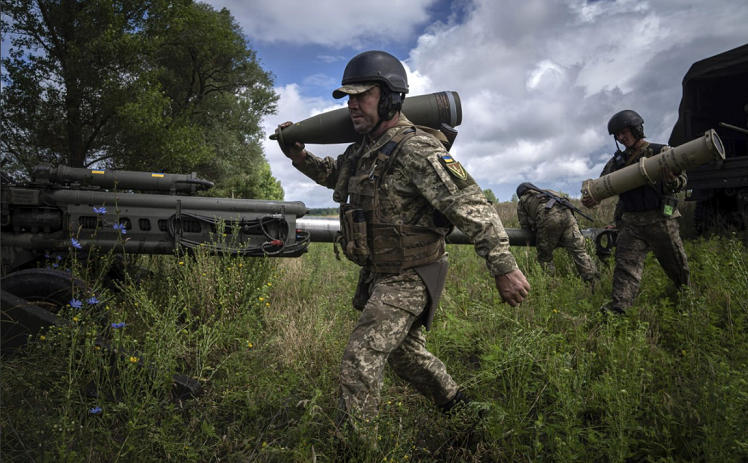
(324, 229)
(696, 152)
(119, 179)
(431, 110)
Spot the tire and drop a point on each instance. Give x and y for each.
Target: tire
(30, 300)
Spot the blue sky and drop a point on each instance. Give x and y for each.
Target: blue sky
(538, 79)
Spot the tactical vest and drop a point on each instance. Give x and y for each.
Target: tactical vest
(364, 237)
(644, 198)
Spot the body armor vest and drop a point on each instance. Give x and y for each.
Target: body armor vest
(364, 236)
(644, 198)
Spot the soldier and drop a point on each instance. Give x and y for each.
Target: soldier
(555, 226)
(399, 193)
(644, 216)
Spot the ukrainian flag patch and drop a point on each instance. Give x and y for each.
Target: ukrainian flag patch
(454, 167)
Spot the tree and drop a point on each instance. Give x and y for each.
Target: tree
(490, 196)
(155, 85)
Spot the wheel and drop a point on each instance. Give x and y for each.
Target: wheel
(30, 300)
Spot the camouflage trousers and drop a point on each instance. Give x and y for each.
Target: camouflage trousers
(558, 228)
(633, 244)
(389, 331)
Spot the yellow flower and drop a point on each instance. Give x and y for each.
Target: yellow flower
(97, 348)
(250, 345)
(267, 304)
(134, 359)
(42, 337)
(241, 265)
(262, 299)
(75, 319)
(270, 284)
(181, 262)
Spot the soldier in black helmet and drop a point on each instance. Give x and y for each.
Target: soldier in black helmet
(645, 216)
(399, 192)
(555, 226)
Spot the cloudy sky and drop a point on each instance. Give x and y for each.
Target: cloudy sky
(538, 79)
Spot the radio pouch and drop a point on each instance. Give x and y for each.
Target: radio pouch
(668, 205)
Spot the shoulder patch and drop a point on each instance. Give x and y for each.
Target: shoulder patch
(454, 167)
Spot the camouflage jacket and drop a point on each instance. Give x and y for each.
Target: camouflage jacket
(645, 217)
(530, 205)
(422, 178)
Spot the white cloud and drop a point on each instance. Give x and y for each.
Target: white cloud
(333, 23)
(538, 80)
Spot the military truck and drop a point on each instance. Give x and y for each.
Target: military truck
(715, 96)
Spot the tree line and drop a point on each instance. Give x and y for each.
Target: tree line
(152, 85)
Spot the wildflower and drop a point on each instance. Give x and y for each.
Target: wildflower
(181, 262)
(97, 348)
(134, 359)
(250, 345)
(270, 284)
(59, 257)
(75, 303)
(92, 300)
(119, 325)
(120, 227)
(262, 299)
(76, 243)
(267, 304)
(75, 319)
(95, 411)
(100, 210)
(42, 337)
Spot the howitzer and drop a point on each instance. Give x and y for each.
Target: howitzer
(62, 209)
(99, 208)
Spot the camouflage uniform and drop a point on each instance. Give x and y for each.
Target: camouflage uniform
(643, 229)
(555, 227)
(390, 327)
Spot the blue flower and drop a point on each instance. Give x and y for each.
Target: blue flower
(55, 265)
(76, 243)
(119, 325)
(92, 300)
(59, 257)
(95, 411)
(75, 303)
(100, 210)
(120, 227)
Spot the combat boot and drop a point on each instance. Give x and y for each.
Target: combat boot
(462, 404)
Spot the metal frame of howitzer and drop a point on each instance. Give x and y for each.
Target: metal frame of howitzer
(41, 217)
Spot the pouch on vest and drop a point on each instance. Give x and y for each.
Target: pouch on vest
(362, 295)
(668, 205)
(352, 236)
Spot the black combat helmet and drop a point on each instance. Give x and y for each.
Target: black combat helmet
(380, 68)
(627, 118)
(377, 66)
(524, 187)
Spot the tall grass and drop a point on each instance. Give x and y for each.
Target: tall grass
(264, 339)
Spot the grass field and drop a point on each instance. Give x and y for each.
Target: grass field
(668, 383)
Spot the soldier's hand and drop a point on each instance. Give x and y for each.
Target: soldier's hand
(513, 287)
(589, 201)
(295, 152)
(667, 175)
